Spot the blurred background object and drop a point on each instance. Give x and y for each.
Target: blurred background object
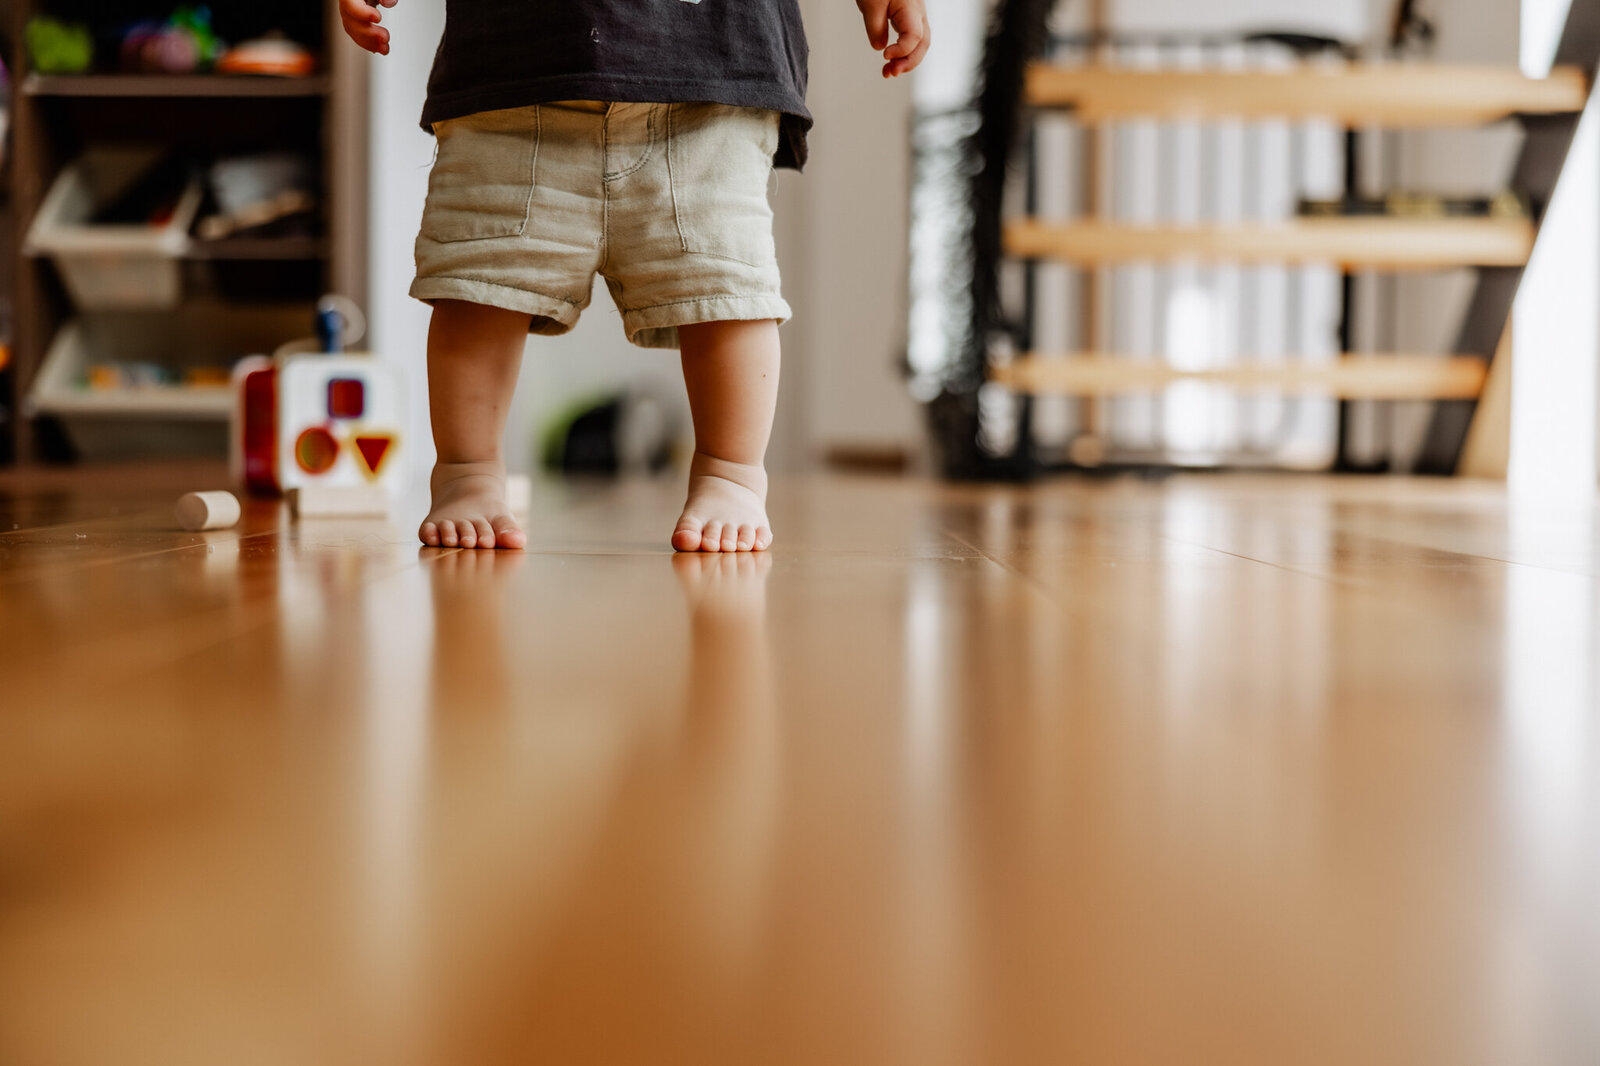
(1271, 352)
(176, 218)
(1228, 236)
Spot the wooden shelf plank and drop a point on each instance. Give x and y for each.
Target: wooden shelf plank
(172, 85)
(1366, 377)
(259, 248)
(1351, 243)
(1392, 95)
(190, 402)
(239, 248)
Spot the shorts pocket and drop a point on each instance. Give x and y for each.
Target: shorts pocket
(481, 184)
(719, 159)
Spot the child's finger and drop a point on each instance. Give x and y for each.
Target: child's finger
(911, 33)
(905, 64)
(875, 13)
(372, 38)
(357, 11)
(906, 53)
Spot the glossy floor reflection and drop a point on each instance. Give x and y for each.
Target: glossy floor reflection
(1219, 770)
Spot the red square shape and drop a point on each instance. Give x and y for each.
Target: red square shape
(347, 398)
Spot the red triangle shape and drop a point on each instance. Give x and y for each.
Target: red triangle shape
(373, 449)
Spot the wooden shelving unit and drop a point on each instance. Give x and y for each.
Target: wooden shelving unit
(1351, 95)
(1391, 244)
(246, 288)
(226, 86)
(249, 248)
(1354, 377)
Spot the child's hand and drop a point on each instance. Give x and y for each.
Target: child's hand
(910, 21)
(361, 18)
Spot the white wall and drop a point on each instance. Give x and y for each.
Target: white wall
(846, 269)
(1555, 323)
(401, 154)
(1344, 19)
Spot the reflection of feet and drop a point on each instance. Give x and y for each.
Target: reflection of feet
(726, 510)
(472, 640)
(469, 508)
(470, 573)
(724, 587)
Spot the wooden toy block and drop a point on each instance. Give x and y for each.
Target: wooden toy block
(339, 501)
(206, 510)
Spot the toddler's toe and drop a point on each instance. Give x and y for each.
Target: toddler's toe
(747, 538)
(429, 534)
(763, 538)
(447, 534)
(730, 538)
(485, 534)
(711, 537)
(506, 532)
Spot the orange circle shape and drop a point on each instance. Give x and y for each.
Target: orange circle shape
(315, 450)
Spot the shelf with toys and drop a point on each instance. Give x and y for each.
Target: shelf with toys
(233, 198)
(160, 85)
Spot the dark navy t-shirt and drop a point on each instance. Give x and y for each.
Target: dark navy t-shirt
(511, 53)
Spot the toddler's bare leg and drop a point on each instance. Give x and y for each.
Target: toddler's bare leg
(474, 353)
(731, 371)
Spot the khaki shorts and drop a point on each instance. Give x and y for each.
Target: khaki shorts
(667, 202)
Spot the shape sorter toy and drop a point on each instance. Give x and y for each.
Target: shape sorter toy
(329, 421)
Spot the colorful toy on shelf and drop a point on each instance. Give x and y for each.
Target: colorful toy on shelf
(273, 54)
(183, 44)
(306, 418)
(58, 47)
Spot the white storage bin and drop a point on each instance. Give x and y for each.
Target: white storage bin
(154, 420)
(112, 266)
(124, 423)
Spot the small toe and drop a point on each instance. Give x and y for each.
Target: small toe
(485, 534)
(447, 534)
(730, 538)
(747, 538)
(711, 537)
(763, 538)
(429, 534)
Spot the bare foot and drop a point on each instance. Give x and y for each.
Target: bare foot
(726, 510)
(469, 508)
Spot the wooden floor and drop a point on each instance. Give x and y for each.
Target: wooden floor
(1226, 770)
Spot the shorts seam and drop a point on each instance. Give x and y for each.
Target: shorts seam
(762, 265)
(605, 192)
(644, 159)
(723, 298)
(533, 172)
(498, 285)
(672, 183)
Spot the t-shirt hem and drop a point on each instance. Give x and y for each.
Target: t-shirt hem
(626, 88)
